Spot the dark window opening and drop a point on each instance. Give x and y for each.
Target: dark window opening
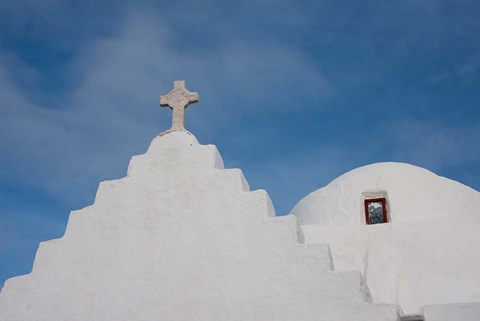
(376, 210)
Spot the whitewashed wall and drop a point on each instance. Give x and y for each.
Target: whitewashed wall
(449, 312)
(181, 238)
(429, 253)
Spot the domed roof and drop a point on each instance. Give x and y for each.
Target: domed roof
(412, 194)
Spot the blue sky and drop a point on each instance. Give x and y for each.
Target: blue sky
(295, 93)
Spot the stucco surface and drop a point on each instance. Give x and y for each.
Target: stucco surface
(449, 312)
(182, 238)
(429, 253)
(414, 194)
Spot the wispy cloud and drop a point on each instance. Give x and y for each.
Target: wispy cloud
(118, 80)
(436, 146)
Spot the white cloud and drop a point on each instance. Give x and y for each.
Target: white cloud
(112, 111)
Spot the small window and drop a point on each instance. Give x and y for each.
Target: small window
(376, 210)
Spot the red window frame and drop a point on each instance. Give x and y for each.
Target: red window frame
(383, 200)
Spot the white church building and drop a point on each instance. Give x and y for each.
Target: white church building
(181, 238)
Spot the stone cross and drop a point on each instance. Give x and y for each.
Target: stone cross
(178, 100)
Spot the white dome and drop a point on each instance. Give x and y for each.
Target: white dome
(427, 254)
(412, 194)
